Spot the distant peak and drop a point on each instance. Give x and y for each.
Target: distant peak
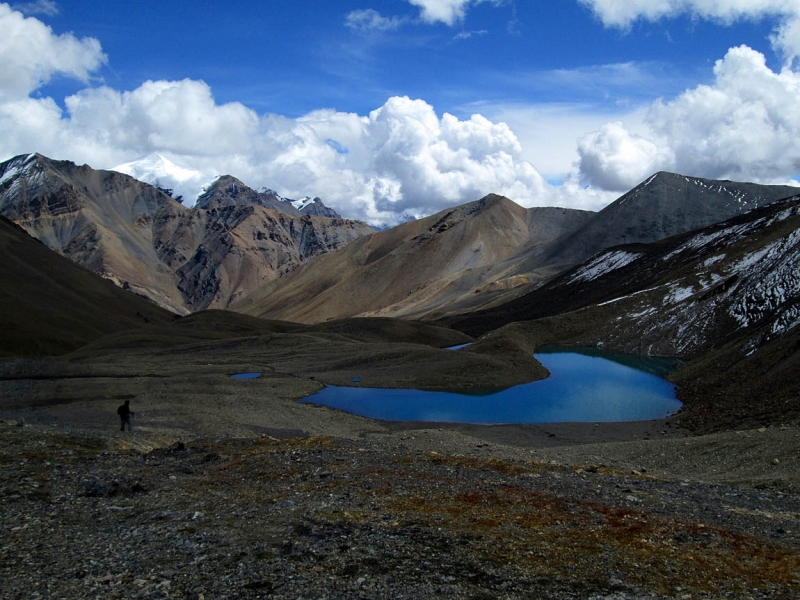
(493, 198)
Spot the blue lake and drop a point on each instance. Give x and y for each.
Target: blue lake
(581, 388)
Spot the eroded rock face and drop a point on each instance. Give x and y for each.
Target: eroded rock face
(136, 235)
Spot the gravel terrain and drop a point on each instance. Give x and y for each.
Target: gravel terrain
(88, 514)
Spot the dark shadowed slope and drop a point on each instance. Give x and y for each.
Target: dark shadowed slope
(49, 305)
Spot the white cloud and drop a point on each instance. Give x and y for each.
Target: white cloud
(30, 54)
(181, 117)
(786, 38)
(744, 126)
(370, 20)
(40, 7)
(448, 12)
(549, 133)
(401, 159)
(615, 159)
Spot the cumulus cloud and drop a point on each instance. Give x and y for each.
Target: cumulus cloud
(402, 159)
(31, 54)
(615, 159)
(176, 116)
(746, 126)
(785, 39)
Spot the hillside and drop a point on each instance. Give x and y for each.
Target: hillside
(49, 305)
(422, 267)
(136, 235)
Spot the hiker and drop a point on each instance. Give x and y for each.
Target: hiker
(125, 413)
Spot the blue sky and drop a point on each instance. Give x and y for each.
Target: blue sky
(293, 57)
(402, 107)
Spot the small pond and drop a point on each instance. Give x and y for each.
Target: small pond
(246, 376)
(582, 387)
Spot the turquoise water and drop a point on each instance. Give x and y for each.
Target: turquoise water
(581, 388)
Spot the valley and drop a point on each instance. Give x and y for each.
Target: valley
(233, 488)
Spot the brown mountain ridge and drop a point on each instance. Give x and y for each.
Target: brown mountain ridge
(136, 235)
(49, 305)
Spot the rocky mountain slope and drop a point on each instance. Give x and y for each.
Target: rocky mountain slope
(664, 205)
(421, 267)
(136, 235)
(49, 305)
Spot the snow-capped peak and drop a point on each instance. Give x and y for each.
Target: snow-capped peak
(302, 203)
(158, 170)
(15, 166)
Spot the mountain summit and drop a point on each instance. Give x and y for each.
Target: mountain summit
(229, 191)
(664, 205)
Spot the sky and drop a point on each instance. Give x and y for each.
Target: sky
(401, 108)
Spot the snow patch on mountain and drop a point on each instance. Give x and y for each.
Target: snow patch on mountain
(156, 169)
(302, 203)
(19, 173)
(602, 264)
(15, 167)
(775, 292)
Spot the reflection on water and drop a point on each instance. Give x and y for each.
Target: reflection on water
(581, 388)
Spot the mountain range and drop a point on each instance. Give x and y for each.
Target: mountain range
(491, 251)
(135, 234)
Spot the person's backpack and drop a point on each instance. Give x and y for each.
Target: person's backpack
(121, 410)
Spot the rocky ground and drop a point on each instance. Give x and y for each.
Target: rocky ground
(88, 514)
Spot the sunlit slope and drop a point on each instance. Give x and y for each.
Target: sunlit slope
(417, 268)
